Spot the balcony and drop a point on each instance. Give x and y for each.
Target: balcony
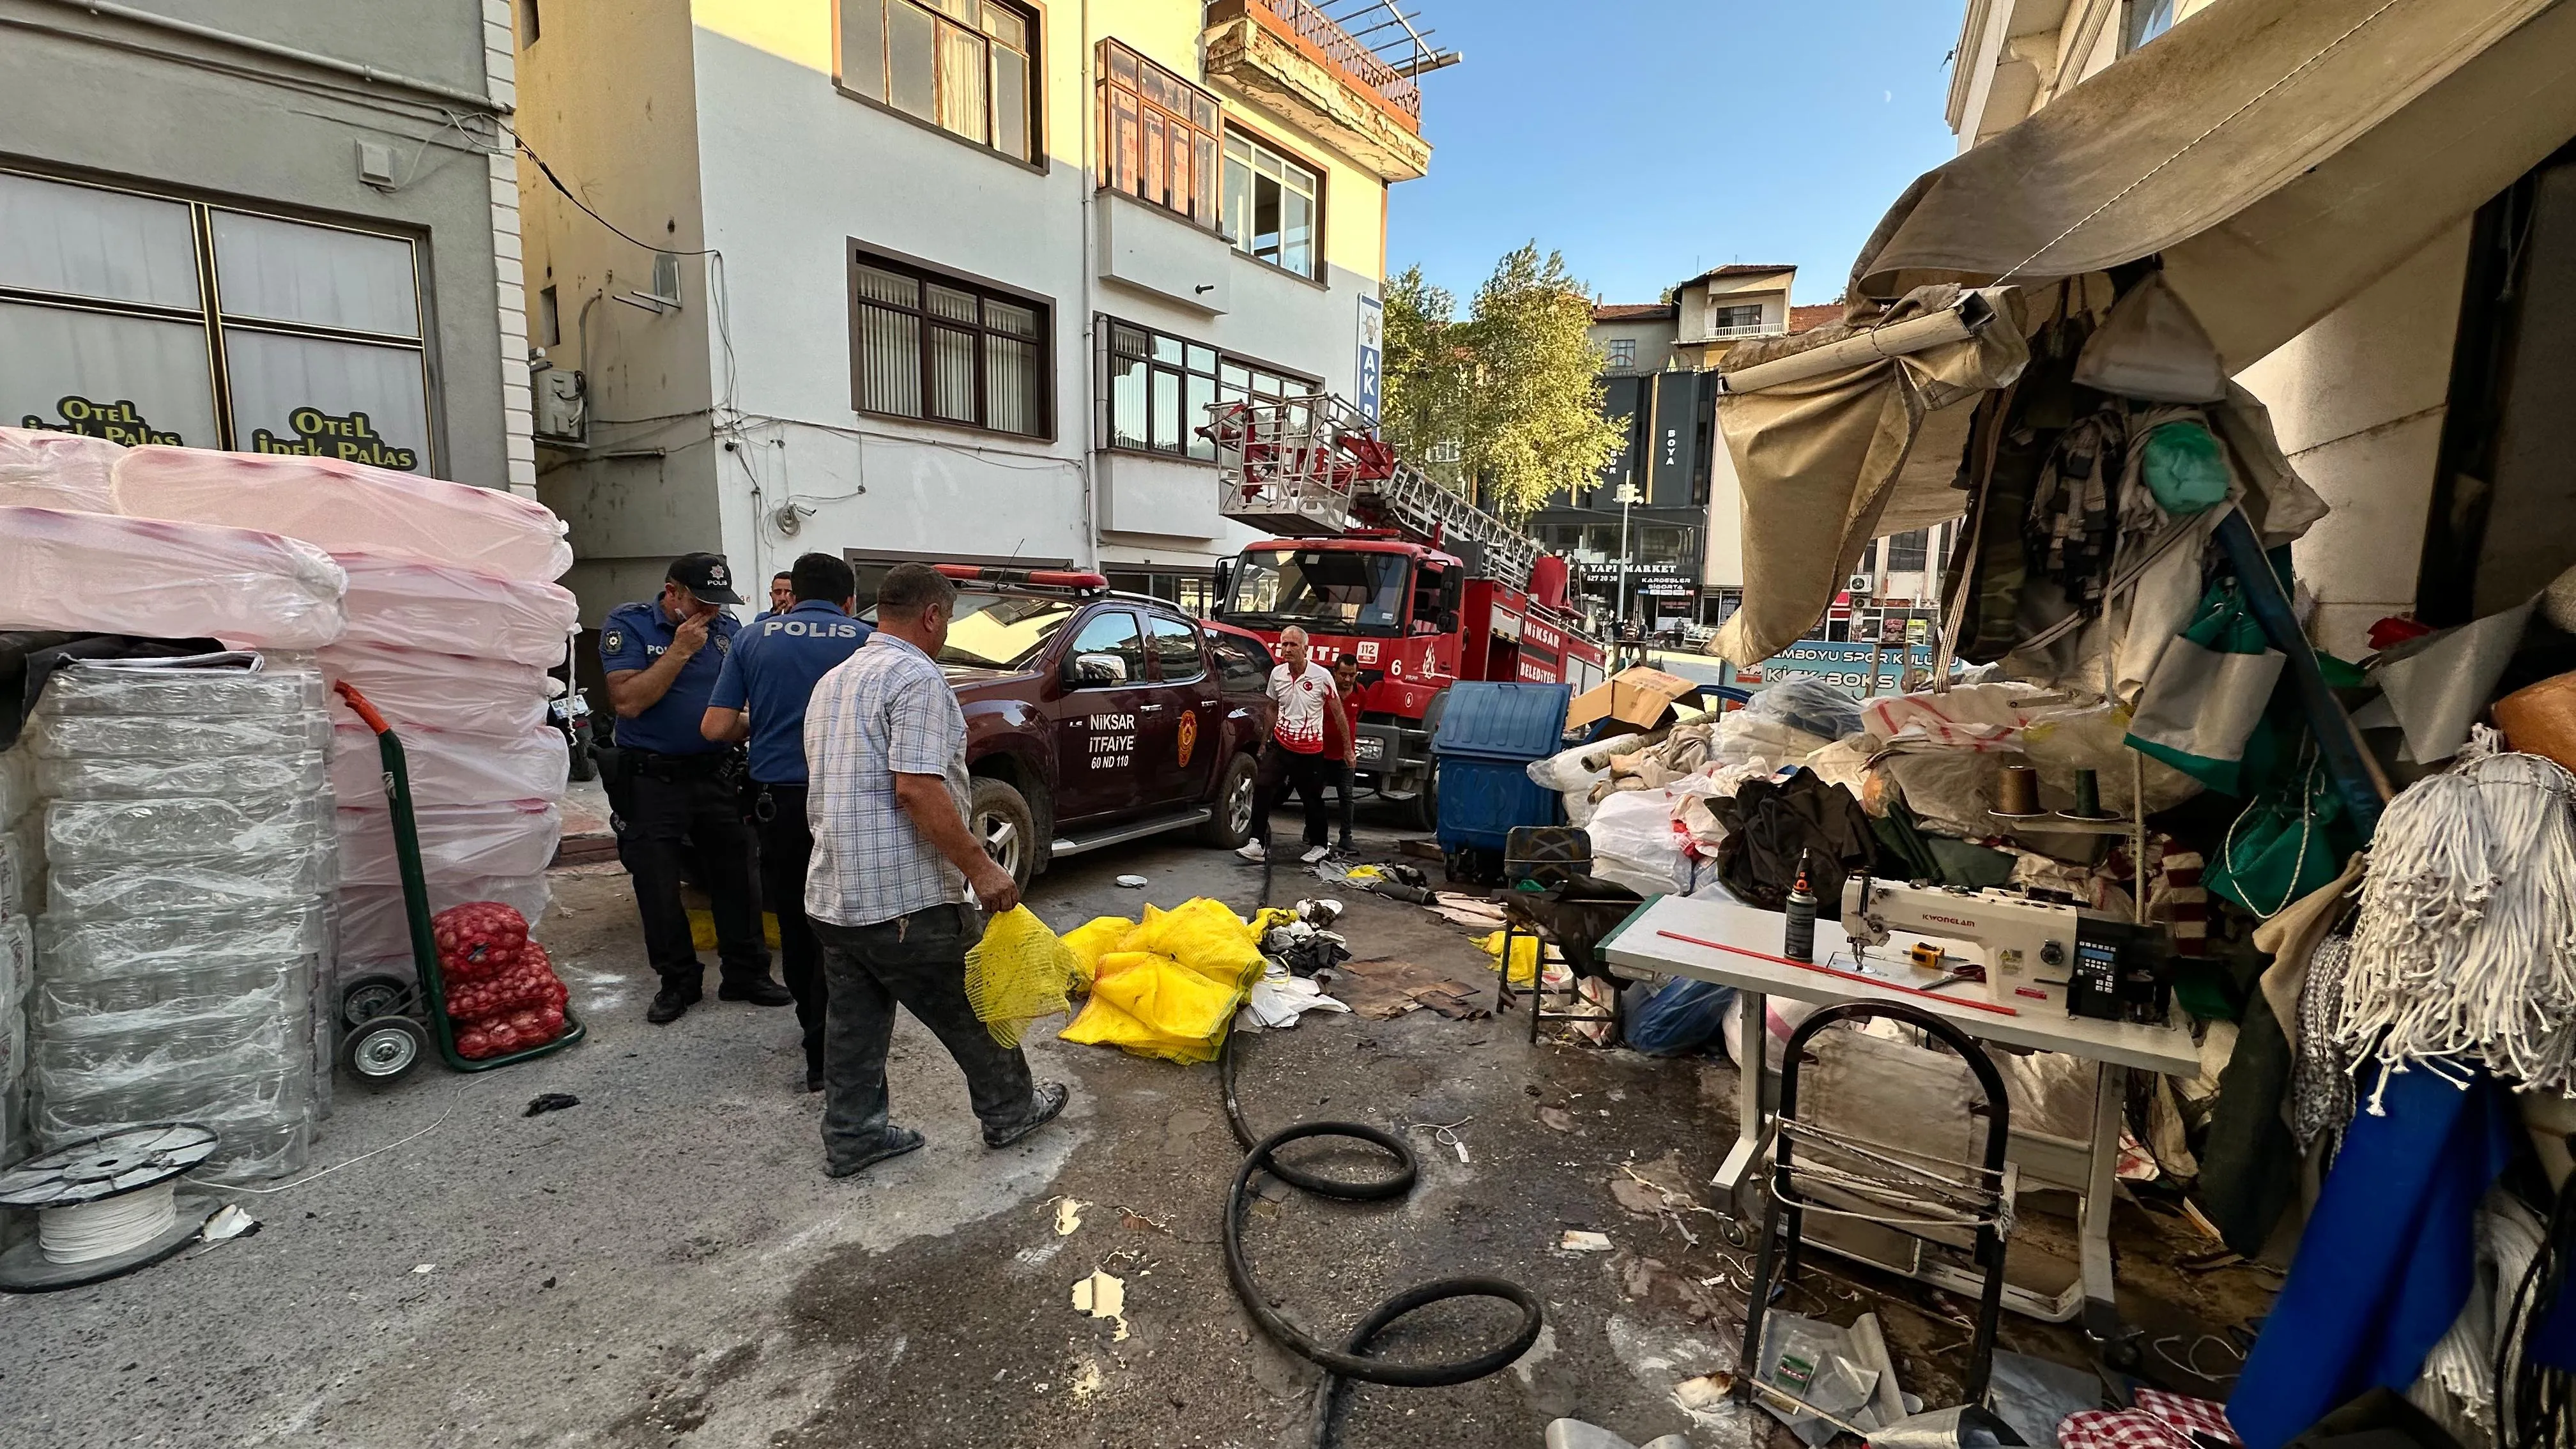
(1296, 58)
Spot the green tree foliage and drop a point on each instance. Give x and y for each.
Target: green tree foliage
(1515, 386)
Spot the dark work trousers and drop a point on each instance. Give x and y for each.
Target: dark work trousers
(786, 846)
(685, 803)
(1281, 769)
(1346, 776)
(918, 960)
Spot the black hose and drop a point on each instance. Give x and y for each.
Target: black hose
(2538, 1402)
(1352, 1360)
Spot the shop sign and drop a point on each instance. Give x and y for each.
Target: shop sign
(118, 422)
(350, 438)
(1844, 666)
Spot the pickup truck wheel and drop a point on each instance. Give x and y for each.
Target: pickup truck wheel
(1231, 825)
(1004, 825)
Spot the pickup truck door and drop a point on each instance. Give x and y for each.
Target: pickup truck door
(1103, 723)
(1189, 725)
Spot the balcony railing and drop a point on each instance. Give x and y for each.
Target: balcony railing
(1308, 22)
(1733, 330)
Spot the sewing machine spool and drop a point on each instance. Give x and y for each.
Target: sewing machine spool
(2088, 802)
(2017, 794)
(99, 1206)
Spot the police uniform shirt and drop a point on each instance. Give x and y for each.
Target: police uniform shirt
(771, 672)
(634, 637)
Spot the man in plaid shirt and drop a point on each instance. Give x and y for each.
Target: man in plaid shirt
(888, 891)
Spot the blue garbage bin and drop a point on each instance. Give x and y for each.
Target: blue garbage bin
(1489, 732)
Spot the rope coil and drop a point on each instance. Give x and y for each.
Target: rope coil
(109, 1227)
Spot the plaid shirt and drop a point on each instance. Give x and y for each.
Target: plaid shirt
(884, 711)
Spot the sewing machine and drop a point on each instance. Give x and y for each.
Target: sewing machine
(2028, 947)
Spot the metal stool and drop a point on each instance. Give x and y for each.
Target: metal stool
(1572, 914)
(1894, 1187)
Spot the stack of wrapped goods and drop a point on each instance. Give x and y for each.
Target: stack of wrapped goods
(173, 837)
(453, 623)
(189, 857)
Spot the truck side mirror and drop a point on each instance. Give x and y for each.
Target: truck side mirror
(1068, 671)
(1223, 578)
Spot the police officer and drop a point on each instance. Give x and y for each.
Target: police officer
(761, 697)
(662, 658)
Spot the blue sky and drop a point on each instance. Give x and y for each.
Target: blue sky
(1649, 140)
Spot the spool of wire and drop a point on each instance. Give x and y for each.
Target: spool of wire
(105, 1206)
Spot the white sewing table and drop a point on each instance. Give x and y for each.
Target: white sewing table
(1636, 949)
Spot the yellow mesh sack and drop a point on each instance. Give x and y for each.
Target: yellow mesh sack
(1017, 974)
(1152, 1005)
(1204, 936)
(1094, 939)
(1525, 949)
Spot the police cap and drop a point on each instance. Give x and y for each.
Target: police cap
(705, 575)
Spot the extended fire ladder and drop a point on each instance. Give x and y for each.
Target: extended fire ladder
(1312, 466)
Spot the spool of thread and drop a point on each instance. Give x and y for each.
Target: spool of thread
(2088, 795)
(1798, 941)
(109, 1227)
(2017, 791)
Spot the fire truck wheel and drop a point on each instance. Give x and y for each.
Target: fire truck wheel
(1231, 825)
(1004, 825)
(1422, 812)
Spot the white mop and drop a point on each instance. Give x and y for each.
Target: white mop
(2466, 946)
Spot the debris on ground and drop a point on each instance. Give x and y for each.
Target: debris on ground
(1068, 1216)
(1103, 1295)
(1383, 990)
(1131, 882)
(545, 1102)
(1279, 998)
(1557, 1118)
(1576, 1240)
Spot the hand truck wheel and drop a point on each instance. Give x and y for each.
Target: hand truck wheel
(378, 993)
(383, 1050)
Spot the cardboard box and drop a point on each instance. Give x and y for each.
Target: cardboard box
(1637, 695)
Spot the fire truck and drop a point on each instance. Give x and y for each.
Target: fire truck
(1375, 560)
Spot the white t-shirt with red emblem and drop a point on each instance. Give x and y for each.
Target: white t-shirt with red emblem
(1302, 700)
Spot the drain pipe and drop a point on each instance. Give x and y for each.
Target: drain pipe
(373, 75)
(1090, 315)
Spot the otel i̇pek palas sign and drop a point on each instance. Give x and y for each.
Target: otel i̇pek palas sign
(351, 438)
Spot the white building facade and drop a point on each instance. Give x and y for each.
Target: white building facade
(948, 280)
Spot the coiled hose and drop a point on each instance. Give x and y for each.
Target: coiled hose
(1351, 1360)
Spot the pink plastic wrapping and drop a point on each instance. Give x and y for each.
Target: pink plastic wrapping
(92, 572)
(417, 605)
(415, 688)
(40, 469)
(347, 508)
(448, 767)
(514, 838)
(375, 935)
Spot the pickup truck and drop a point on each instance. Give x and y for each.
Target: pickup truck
(1095, 718)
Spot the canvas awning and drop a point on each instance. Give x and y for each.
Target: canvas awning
(2280, 155)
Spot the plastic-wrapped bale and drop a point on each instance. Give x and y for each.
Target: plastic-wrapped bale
(415, 688)
(452, 767)
(93, 573)
(513, 838)
(375, 933)
(190, 848)
(414, 605)
(45, 469)
(347, 508)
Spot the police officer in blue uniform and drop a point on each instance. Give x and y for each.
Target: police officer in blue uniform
(760, 696)
(662, 658)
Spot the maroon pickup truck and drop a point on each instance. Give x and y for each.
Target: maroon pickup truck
(1094, 718)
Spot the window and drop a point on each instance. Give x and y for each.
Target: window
(549, 318)
(1623, 354)
(1176, 650)
(966, 66)
(528, 27)
(1906, 552)
(1159, 388)
(1743, 320)
(1273, 206)
(1346, 591)
(1243, 665)
(110, 326)
(927, 345)
(2148, 19)
(1663, 544)
(1109, 650)
(1186, 591)
(1158, 135)
(990, 631)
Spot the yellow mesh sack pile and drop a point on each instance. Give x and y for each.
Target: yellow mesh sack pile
(1525, 955)
(1094, 939)
(1017, 974)
(1167, 986)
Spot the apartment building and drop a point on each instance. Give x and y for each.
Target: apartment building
(943, 279)
(264, 226)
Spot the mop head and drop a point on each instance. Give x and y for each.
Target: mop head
(2466, 947)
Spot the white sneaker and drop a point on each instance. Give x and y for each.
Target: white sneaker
(1315, 853)
(1252, 850)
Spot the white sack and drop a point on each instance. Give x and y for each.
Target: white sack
(405, 602)
(347, 508)
(451, 767)
(93, 573)
(1636, 844)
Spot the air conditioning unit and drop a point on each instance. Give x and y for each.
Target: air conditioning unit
(1859, 586)
(562, 412)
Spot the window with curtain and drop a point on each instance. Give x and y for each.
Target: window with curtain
(1907, 552)
(968, 67)
(1273, 206)
(943, 349)
(1157, 388)
(1158, 135)
(149, 319)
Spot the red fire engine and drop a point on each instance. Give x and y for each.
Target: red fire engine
(1376, 561)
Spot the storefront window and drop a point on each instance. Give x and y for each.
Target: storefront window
(306, 338)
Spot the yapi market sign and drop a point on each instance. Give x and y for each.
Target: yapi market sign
(350, 438)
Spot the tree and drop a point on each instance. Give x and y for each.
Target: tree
(1516, 386)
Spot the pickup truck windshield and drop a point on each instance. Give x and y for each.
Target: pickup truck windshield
(1003, 631)
(1339, 591)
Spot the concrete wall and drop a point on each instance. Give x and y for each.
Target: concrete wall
(1654, 341)
(154, 109)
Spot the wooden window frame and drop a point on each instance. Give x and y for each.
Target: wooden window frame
(1128, 175)
(1032, 13)
(928, 274)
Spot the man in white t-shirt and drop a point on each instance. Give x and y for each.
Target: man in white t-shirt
(1295, 753)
